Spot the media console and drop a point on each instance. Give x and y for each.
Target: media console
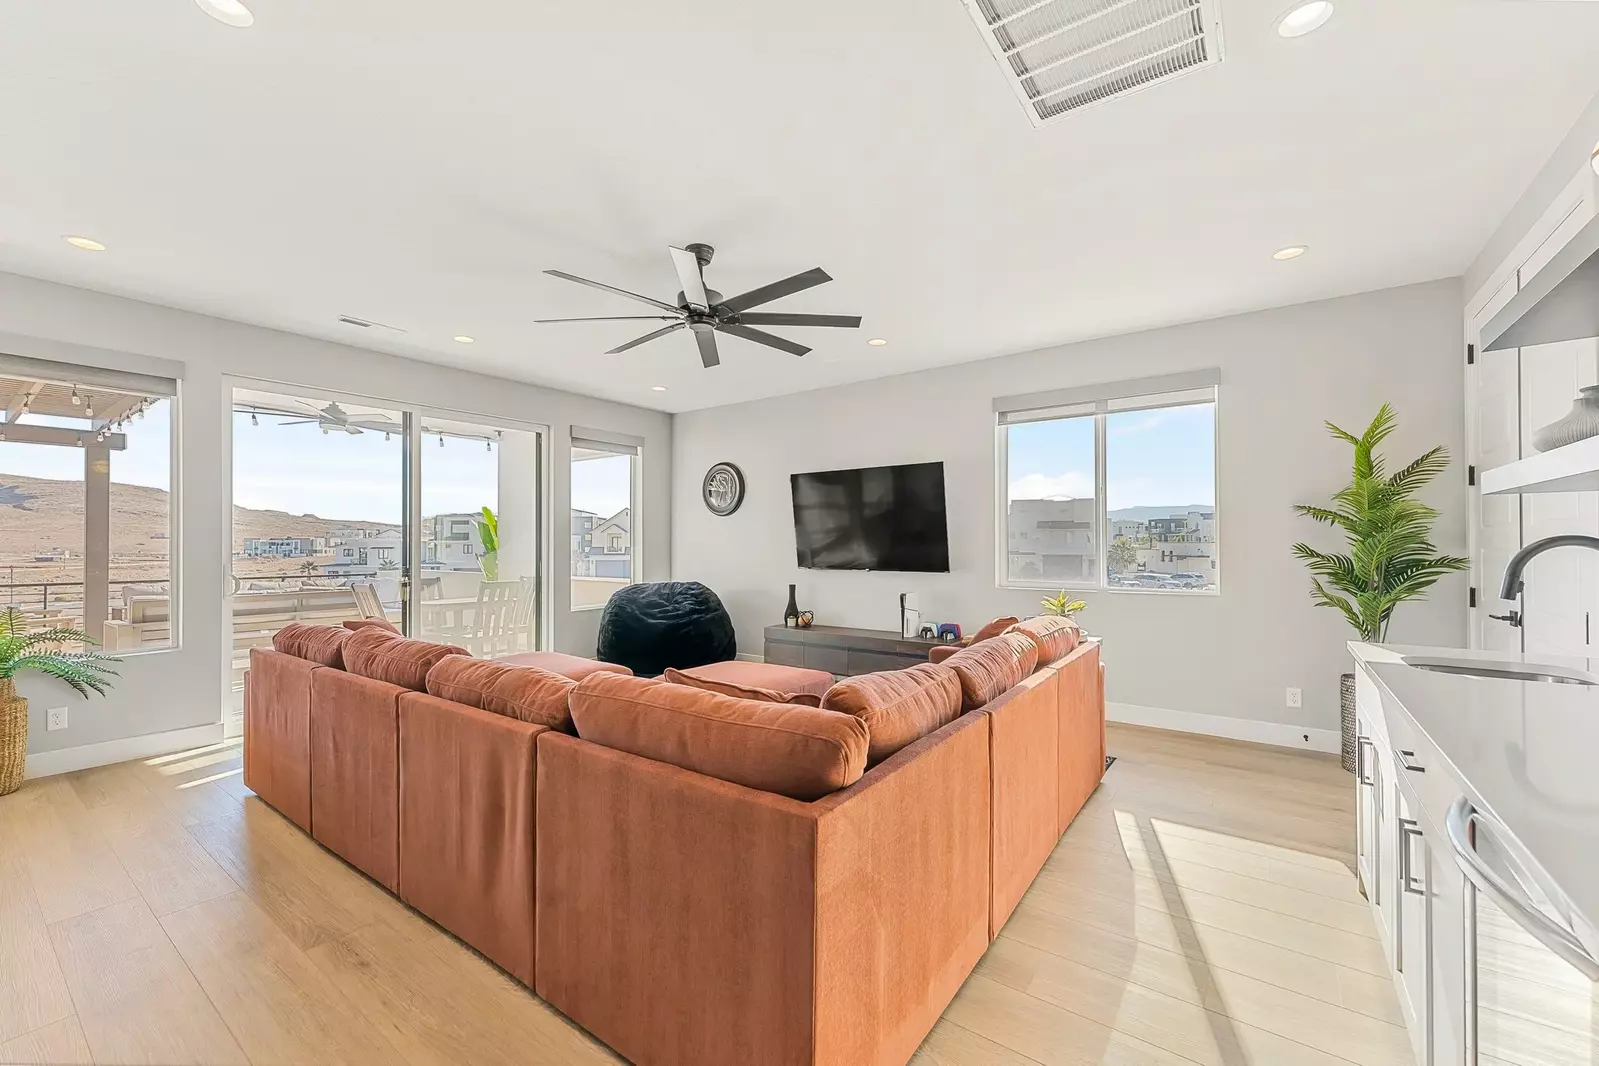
(843, 650)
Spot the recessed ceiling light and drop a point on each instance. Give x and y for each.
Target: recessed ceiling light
(657, 388)
(1304, 18)
(87, 244)
(1293, 251)
(877, 342)
(231, 12)
(466, 340)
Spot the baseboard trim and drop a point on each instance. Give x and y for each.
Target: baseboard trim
(1277, 734)
(66, 760)
(746, 657)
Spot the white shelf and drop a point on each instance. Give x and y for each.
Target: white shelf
(1574, 468)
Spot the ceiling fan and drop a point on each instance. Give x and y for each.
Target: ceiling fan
(706, 313)
(329, 418)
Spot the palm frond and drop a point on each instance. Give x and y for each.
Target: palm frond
(1420, 471)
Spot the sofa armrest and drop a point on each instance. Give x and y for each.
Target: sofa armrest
(466, 825)
(1082, 729)
(902, 895)
(277, 732)
(674, 910)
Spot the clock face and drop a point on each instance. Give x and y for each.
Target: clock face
(723, 489)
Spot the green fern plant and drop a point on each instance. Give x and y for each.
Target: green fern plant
(20, 650)
(1391, 557)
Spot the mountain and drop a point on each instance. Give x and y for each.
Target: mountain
(39, 515)
(1145, 513)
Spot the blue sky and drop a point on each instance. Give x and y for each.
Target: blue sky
(1153, 458)
(300, 470)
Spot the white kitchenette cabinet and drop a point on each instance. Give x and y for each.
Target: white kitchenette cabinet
(1477, 980)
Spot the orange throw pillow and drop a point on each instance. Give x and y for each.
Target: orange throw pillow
(382, 656)
(695, 679)
(991, 666)
(898, 707)
(323, 645)
(1055, 635)
(799, 752)
(993, 629)
(525, 693)
(355, 625)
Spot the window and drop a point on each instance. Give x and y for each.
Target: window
(86, 514)
(603, 476)
(1111, 487)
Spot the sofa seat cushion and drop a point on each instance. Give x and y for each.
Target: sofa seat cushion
(525, 693)
(989, 667)
(767, 682)
(1055, 636)
(355, 625)
(898, 707)
(382, 656)
(800, 752)
(573, 666)
(323, 645)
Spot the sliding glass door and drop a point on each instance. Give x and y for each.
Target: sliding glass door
(345, 509)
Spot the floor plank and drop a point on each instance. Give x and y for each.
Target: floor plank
(278, 1006)
(71, 866)
(137, 1001)
(33, 992)
(167, 865)
(58, 1044)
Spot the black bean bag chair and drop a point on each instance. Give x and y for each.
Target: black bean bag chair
(647, 628)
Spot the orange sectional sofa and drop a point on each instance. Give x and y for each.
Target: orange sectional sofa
(693, 876)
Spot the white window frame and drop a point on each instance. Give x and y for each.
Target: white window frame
(617, 444)
(1097, 402)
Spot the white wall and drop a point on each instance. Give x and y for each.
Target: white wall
(182, 688)
(1232, 655)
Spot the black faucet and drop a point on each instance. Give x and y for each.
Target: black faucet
(1512, 585)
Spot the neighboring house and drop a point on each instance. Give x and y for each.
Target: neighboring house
(602, 547)
(284, 547)
(1053, 540)
(451, 542)
(364, 556)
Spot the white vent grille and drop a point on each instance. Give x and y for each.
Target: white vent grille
(1063, 55)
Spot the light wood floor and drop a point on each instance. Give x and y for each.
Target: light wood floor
(1200, 910)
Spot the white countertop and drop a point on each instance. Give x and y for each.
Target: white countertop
(1529, 750)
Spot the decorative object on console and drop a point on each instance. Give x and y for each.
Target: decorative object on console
(1580, 423)
(723, 489)
(649, 627)
(929, 631)
(85, 671)
(705, 313)
(1062, 605)
(792, 612)
(910, 615)
(805, 620)
(949, 632)
(1391, 556)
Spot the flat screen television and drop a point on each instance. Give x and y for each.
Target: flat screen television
(876, 518)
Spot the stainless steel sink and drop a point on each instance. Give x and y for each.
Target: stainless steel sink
(1509, 671)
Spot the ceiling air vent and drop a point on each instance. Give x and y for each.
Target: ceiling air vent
(365, 323)
(1063, 55)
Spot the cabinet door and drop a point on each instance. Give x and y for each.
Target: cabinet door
(1365, 812)
(1385, 852)
(1446, 983)
(1493, 430)
(1412, 921)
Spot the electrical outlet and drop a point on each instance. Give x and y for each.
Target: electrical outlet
(1296, 698)
(55, 718)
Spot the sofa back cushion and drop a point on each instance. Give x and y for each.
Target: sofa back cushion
(800, 752)
(766, 682)
(993, 629)
(383, 656)
(898, 707)
(1055, 636)
(991, 666)
(525, 693)
(323, 645)
(355, 625)
(556, 662)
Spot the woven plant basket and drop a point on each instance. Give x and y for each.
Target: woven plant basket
(13, 737)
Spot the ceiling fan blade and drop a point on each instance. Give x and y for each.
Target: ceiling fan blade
(782, 344)
(305, 422)
(691, 278)
(777, 290)
(607, 318)
(709, 356)
(778, 318)
(563, 275)
(647, 337)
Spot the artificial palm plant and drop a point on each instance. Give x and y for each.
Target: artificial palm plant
(488, 532)
(1391, 557)
(85, 671)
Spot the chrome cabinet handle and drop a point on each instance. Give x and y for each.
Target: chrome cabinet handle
(1404, 761)
(1409, 831)
(1361, 744)
(1459, 824)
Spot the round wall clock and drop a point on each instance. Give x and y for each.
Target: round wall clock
(723, 489)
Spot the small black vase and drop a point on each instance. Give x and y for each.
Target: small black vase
(791, 614)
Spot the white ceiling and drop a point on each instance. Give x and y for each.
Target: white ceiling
(419, 163)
